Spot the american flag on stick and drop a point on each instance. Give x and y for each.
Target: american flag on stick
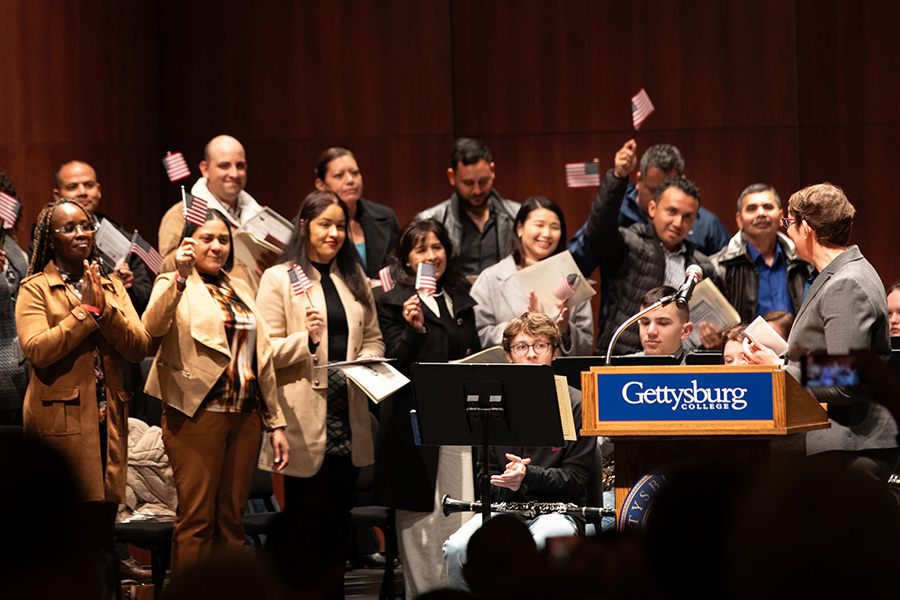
(641, 107)
(387, 282)
(176, 166)
(9, 210)
(566, 288)
(300, 283)
(194, 208)
(146, 253)
(581, 175)
(425, 278)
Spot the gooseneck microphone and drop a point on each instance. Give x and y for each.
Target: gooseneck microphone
(692, 277)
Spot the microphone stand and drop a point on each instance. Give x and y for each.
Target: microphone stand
(658, 304)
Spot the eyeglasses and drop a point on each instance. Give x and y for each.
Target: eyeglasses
(539, 348)
(69, 228)
(787, 222)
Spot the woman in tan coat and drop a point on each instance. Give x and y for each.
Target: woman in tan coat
(76, 325)
(215, 375)
(328, 418)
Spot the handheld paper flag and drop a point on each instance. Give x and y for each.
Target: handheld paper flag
(9, 210)
(146, 253)
(194, 208)
(641, 107)
(425, 278)
(300, 283)
(176, 166)
(579, 175)
(387, 282)
(566, 289)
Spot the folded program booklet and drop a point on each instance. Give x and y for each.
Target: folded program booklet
(377, 379)
(709, 305)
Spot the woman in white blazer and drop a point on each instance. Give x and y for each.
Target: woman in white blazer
(540, 233)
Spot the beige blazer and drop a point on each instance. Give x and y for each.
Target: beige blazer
(194, 351)
(302, 383)
(56, 331)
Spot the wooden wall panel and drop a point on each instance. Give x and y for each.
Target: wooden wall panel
(551, 83)
(371, 76)
(572, 66)
(849, 115)
(80, 81)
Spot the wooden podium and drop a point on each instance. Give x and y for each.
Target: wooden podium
(743, 416)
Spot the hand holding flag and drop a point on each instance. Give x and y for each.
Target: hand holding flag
(300, 283)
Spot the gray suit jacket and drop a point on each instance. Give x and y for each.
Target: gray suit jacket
(845, 309)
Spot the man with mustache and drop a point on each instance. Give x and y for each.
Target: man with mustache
(759, 268)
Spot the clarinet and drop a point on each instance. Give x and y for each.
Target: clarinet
(529, 510)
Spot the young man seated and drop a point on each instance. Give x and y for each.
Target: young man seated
(532, 473)
(664, 329)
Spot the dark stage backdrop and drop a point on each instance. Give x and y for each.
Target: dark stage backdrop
(789, 92)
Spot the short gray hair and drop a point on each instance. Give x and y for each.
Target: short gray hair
(756, 188)
(664, 157)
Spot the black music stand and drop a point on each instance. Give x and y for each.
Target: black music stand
(486, 404)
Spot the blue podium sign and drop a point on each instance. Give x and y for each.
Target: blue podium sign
(719, 396)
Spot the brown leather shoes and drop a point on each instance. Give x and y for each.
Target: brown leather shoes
(130, 569)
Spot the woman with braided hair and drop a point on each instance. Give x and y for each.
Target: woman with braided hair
(76, 325)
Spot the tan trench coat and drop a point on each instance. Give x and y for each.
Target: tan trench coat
(56, 331)
(302, 388)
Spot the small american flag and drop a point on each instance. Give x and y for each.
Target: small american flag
(300, 283)
(176, 166)
(387, 282)
(9, 210)
(425, 278)
(146, 253)
(566, 288)
(580, 175)
(194, 208)
(641, 107)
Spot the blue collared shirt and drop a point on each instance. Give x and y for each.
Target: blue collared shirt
(773, 286)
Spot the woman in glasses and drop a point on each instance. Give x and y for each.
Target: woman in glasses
(844, 309)
(76, 325)
(419, 327)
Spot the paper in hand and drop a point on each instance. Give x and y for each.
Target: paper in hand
(761, 333)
